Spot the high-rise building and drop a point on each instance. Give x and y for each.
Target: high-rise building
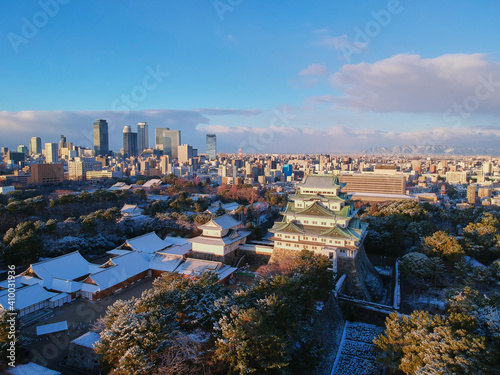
(101, 142)
(487, 168)
(142, 136)
(23, 149)
(212, 146)
(185, 153)
(51, 153)
(168, 141)
(471, 194)
(35, 145)
(129, 142)
(62, 142)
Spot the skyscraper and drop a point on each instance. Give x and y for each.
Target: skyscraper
(129, 142)
(168, 141)
(101, 142)
(35, 145)
(51, 153)
(23, 149)
(142, 136)
(62, 141)
(211, 146)
(185, 153)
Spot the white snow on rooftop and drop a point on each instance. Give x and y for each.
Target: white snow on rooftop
(147, 243)
(88, 339)
(27, 296)
(152, 182)
(51, 328)
(31, 369)
(58, 267)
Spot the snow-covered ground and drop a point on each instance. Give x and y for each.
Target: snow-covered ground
(357, 352)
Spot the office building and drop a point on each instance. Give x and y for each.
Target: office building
(16, 157)
(35, 146)
(46, 173)
(78, 168)
(23, 149)
(456, 177)
(168, 141)
(142, 137)
(185, 153)
(211, 146)
(62, 142)
(488, 168)
(129, 142)
(371, 183)
(51, 153)
(101, 141)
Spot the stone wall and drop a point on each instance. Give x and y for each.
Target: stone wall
(254, 257)
(83, 358)
(363, 281)
(328, 328)
(226, 259)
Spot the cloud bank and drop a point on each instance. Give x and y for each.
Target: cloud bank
(410, 83)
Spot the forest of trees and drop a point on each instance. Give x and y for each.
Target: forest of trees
(195, 326)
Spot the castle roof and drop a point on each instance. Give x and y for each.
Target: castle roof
(290, 227)
(328, 181)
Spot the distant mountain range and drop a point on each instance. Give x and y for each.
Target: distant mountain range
(431, 150)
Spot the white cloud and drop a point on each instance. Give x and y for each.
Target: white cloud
(341, 138)
(341, 43)
(315, 70)
(410, 83)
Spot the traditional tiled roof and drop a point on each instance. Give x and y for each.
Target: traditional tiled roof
(26, 297)
(65, 267)
(316, 209)
(290, 227)
(147, 243)
(320, 182)
(222, 222)
(220, 241)
(336, 231)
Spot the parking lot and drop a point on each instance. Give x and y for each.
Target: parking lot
(50, 350)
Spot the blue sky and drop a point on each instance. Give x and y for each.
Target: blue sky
(230, 66)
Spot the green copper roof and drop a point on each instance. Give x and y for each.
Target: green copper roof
(290, 227)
